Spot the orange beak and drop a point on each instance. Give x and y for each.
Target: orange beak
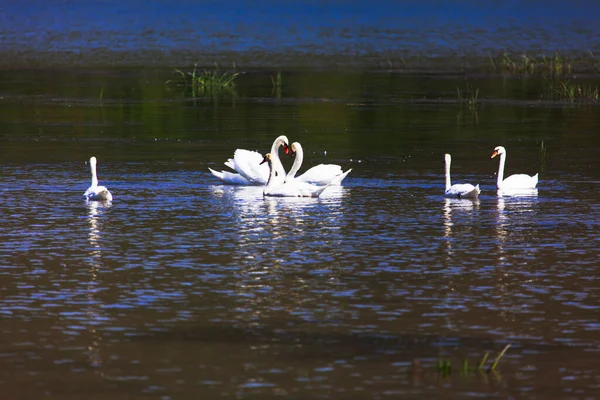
(494, 154)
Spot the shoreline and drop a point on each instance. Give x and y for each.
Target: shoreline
(583, 63)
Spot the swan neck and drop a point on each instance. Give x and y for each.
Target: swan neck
(501, 169)
(275, 167)
(275, 146)
(94, 176)
(299, 158)
(448, 182)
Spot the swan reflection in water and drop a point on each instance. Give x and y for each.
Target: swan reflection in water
(519, 201)
(462, 210)
(515, 213)
(95, 209)
(459, 223)
(456, 205)
(261, 224)
(272, 236)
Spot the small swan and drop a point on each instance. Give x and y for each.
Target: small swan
(248, 166)
(458, 190)
(277, 188)
(516, 181)
(322, 174)
(96, 192)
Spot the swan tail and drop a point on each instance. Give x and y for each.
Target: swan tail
(229, 178)
(320, 190)
(473, 194)
(230, 163)
(339, 178)
(217, 174)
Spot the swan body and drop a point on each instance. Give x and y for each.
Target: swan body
(516, 181)
(95, 192)
(322, 174)
(458, 190)
(248, 167)
(277, 188)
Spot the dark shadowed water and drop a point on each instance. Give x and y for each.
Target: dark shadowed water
(185, 288)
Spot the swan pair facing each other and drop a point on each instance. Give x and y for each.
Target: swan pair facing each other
(251, 170)
(289, 188)
(468, 191)
(95, 192)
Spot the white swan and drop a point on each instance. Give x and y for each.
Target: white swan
(322, 174)
(287, 189)
(459, 190)
(248, 166)
(96, 192)
(516, 181)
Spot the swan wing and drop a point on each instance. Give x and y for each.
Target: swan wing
(248, 164)
(321, 174)
(519, 181)
(463, 191)
(97, 193)
(230, 178)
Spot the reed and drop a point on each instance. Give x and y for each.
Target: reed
(572, 92)
(528, 64)
(207, 82)
(469, 96)
(277, 82)
(444, 366)
(595, 65)
(508, 65)
(542, 156)
(556, 65)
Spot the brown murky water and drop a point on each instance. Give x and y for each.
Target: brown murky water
(185, 288)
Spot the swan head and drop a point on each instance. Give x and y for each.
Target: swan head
(498, 151)
(283, 141)
(447, 158)
(295, 147)
(267, 158)
(93, 161)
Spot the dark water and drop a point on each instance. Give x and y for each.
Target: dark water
(184, 288)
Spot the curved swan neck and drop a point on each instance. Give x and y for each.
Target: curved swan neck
(447, 162)
(501, 168)
(280, 141)
(299, 158)
(277, 170)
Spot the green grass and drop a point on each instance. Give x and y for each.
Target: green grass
(468, 96)
(207, 83)
(444, 366)
(556, 65)
(573, 92)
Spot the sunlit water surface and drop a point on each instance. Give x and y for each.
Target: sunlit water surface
(184, 287)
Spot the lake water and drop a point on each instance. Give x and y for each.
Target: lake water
(185, 288)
